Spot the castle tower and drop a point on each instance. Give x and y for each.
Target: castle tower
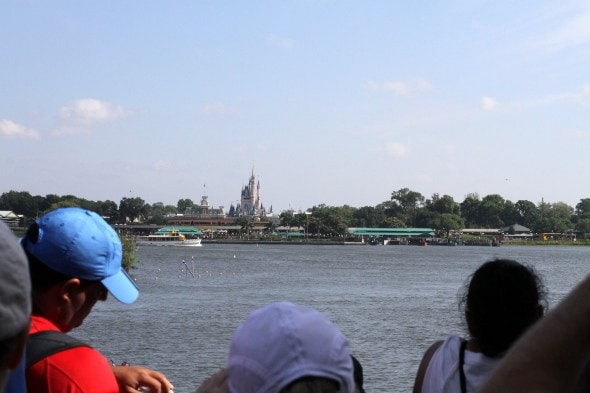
(250, 198)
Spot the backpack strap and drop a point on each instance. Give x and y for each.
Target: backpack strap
(462, 378)
(46, 343)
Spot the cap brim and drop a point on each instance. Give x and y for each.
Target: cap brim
(122, 287)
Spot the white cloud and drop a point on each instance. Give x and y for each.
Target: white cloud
(424, 85)
(79, 116)
(558, 26)
(450, 167)
(90, 110)
(488, 103)
(580, 97)
(449, 147)
(577, 134)
(11, 129)
(215, 109)
(280, 42)
(402, 88)
(574, 31)
(241, 148)
(162, 165)
(396, 150)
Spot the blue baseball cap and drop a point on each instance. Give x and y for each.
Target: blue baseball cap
(79, 243)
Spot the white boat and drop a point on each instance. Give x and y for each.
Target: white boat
(172, 238)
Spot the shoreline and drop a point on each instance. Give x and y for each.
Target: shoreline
(283, 242)
(343, 243)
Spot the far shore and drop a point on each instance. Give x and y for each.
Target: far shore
(540, 243)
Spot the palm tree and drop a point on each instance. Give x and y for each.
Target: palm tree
(245, 224)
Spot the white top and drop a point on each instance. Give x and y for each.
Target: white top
(442, 373)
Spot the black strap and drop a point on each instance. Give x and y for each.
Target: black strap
(48, 342)
(461, 362)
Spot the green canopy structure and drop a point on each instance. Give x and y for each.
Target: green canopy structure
(393, 232)
(187, 231)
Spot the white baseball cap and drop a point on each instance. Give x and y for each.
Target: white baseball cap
(283, 342)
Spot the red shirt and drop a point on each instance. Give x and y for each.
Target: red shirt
(75, 370)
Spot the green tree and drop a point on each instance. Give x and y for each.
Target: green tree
(583, 208)
(131, 209)
(334, 221)
(64, 203)
(271, 227)
(425, 218)
(470, 210)
(184, 204)
(447, 222)
(155, 213)
(392, 209)
(298, 220)
(129, 258)
(245, 224)
(440, 213)
(408, 203)
(20, 203)
(394, 222)
(490, 211)
(368, 216)
(286, 218)
(509, 214)
(444, 204)
(583, 226)
(554, 218)
(109, 210)
(527, 213)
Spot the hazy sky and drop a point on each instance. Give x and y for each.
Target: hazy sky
(333, 102)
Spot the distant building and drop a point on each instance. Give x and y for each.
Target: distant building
(205, 209)
(250, 202)
(205, 215)
(10, 218)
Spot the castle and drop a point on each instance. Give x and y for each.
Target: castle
(250, 204)
(205, 215)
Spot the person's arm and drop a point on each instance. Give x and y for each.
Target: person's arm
(131, 378)
(424, 365)
(549, 358)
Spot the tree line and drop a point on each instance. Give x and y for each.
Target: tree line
(405, 208)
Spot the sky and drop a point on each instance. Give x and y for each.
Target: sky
(329, 102)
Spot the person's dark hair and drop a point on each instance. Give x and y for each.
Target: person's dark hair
(358, 375)
(43, 277)
(501, 300)
(312, 385)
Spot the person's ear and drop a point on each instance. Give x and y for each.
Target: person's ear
(68, 288)
(14, 358)
(540, 311)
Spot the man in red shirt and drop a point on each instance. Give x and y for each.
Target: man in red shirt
(75, 261)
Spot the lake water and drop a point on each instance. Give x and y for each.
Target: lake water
(391, 302)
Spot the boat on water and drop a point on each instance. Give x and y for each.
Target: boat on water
(168, 236)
